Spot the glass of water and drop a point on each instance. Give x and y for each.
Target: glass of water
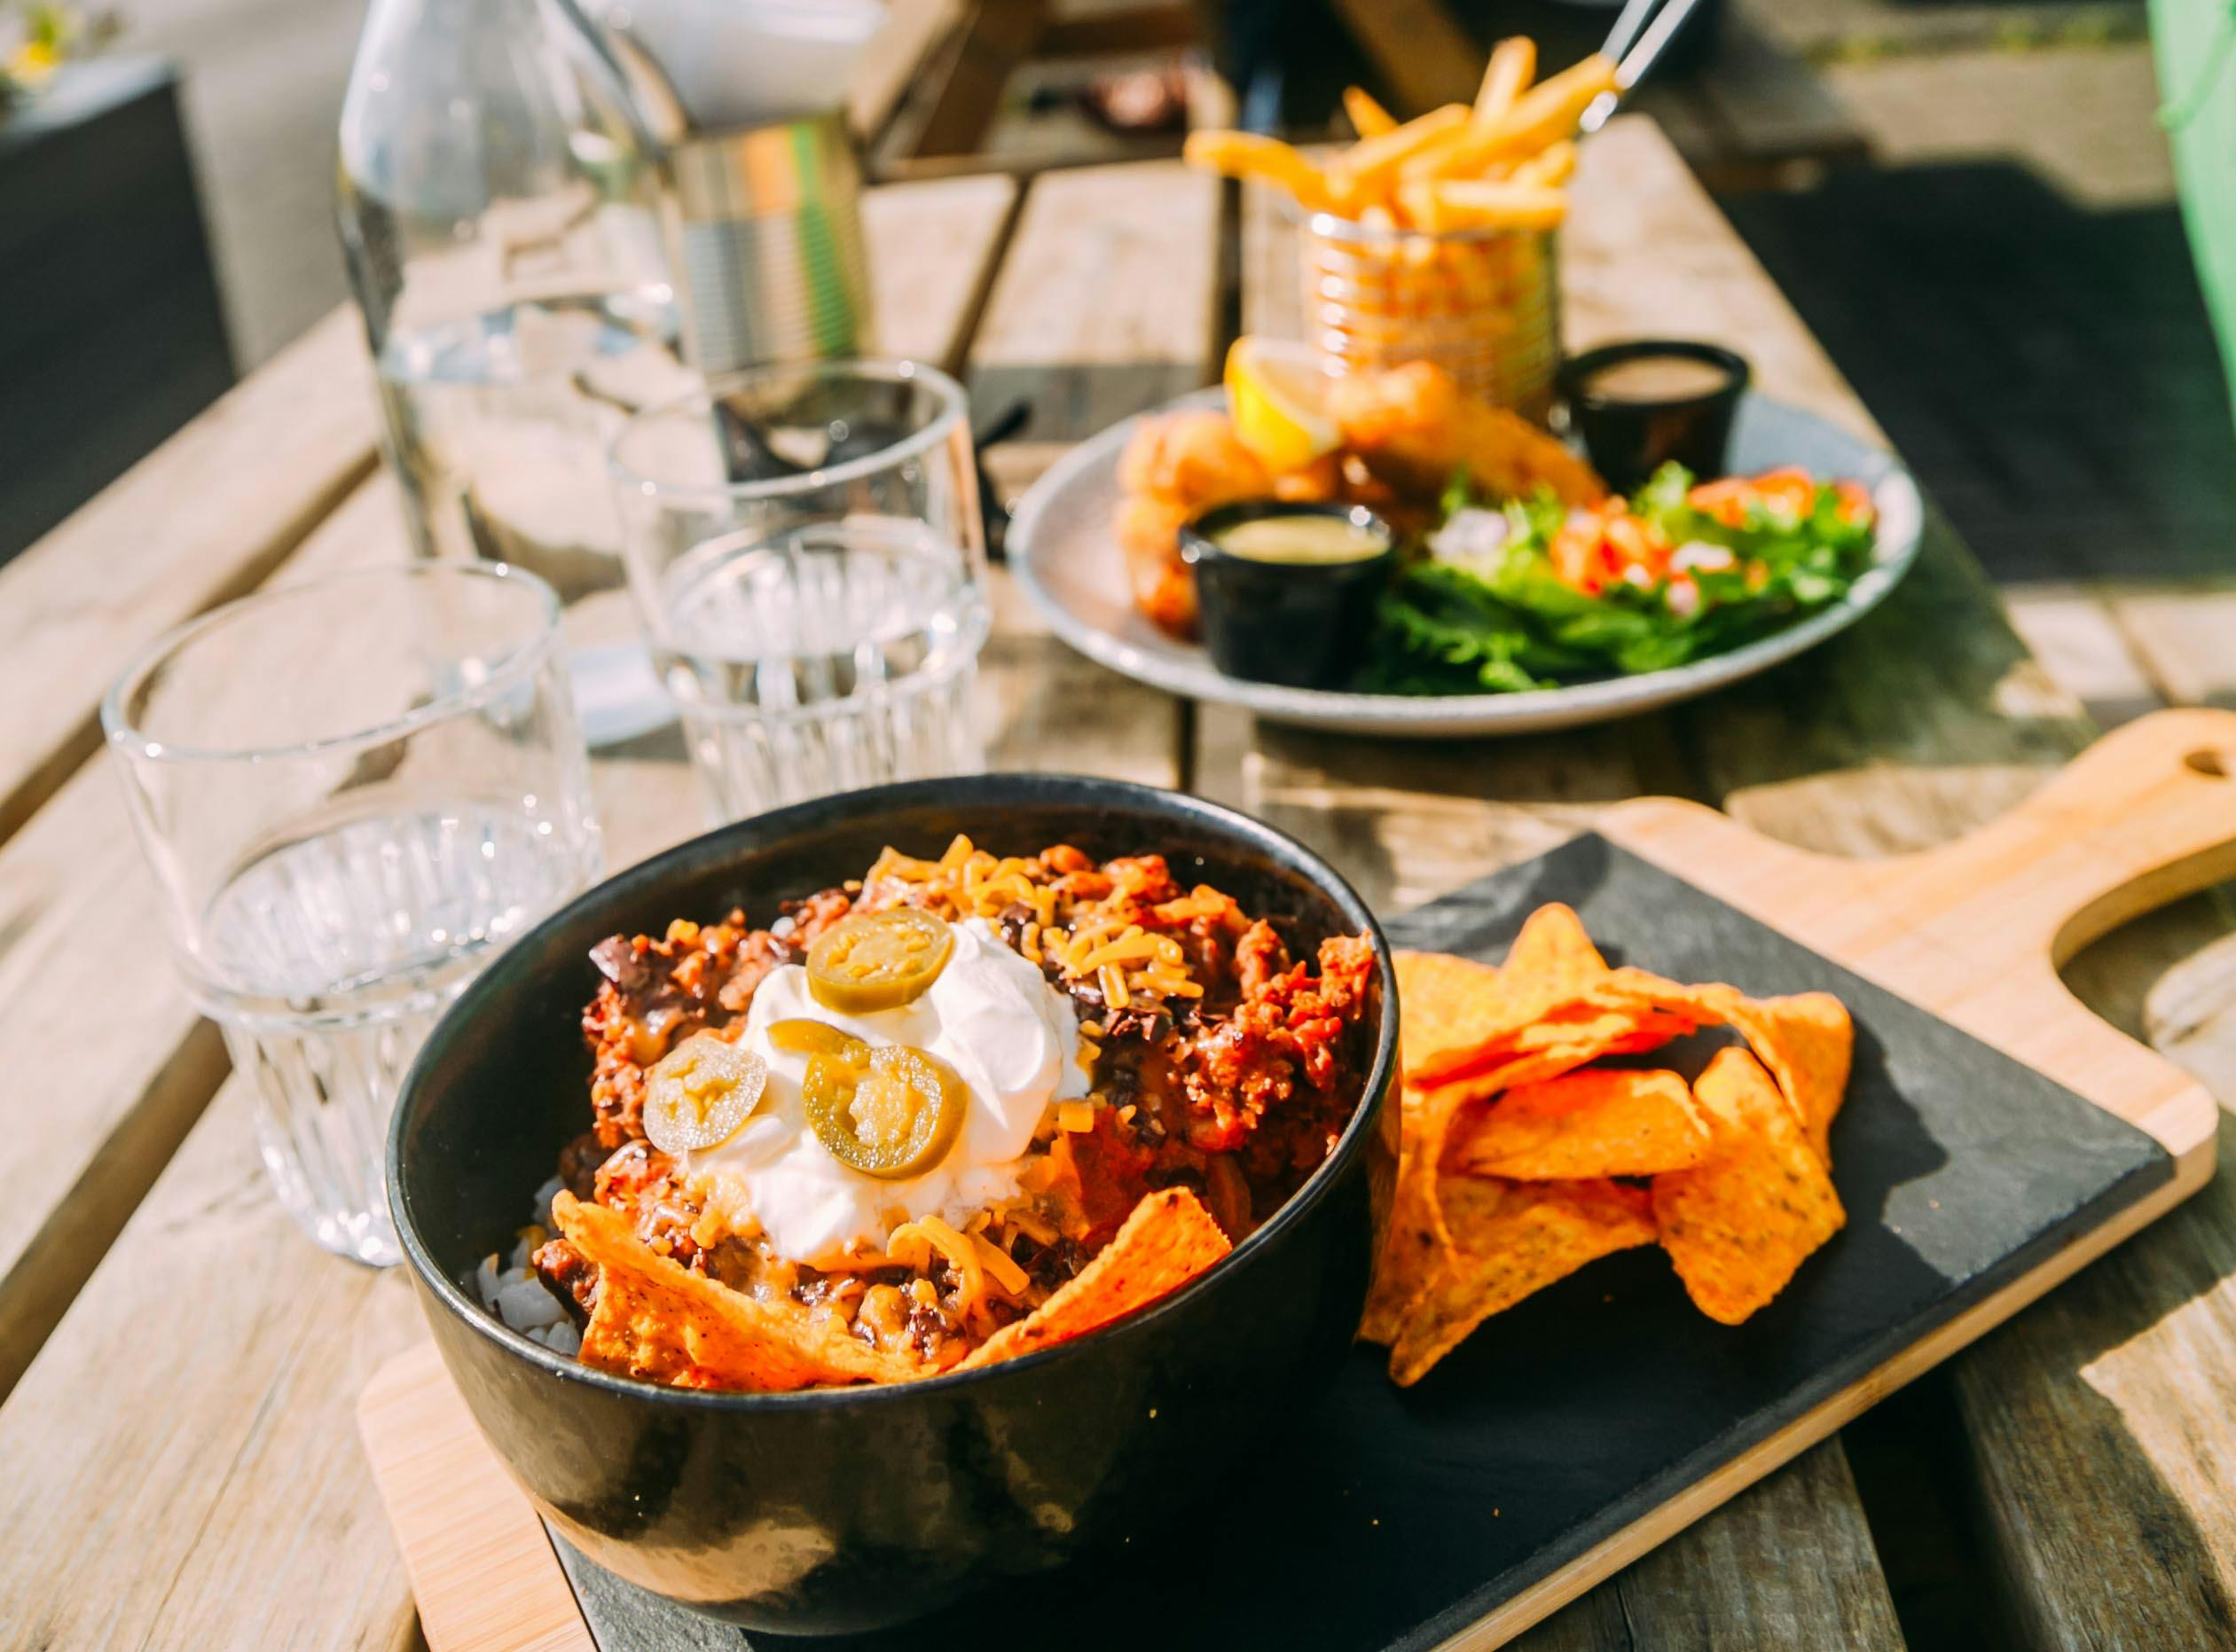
(806, 551)
(353, 791)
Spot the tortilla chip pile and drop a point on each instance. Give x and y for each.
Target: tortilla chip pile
(658, 1321)
(1522, 1161)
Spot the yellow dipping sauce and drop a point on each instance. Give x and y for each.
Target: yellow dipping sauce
(1306, 536)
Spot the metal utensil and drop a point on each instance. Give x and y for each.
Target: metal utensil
(1640, 35)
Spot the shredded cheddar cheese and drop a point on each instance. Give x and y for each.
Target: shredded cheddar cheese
(1007, 1274)
(913, 1243)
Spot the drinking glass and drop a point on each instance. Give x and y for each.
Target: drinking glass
(805, 548)
(352, 791)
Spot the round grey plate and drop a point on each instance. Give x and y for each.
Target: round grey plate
(1063, 553)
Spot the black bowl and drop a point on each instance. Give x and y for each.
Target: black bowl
(1299, 625)
(1629, 438)
(844, 1510)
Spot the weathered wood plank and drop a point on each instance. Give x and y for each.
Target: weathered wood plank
(189, 1434)
(1788, 1561)
(1107, 301)
(2076, 633)
(79, 938)
(933, 247)
(1105, 305)
(2181, 636)
(203, 517)
(1155, 28)
(2097, 1437)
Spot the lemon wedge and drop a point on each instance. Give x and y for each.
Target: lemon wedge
(1276, 393)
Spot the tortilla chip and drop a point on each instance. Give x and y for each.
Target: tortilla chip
(1168, 1240)
(1739, 1223)
(1442, 1003)
(660, 1322)
(1642, 994)
(1413, 1247)
(1516, 1237)
(1498, 1027)
(1559, 1043)
(1606, 1122)
(1553, 948)
(1552, 962)
(1471, 1034)
(1808, 1042)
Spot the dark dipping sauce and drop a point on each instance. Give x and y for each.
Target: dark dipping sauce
(1287, 591)
(1641, 404)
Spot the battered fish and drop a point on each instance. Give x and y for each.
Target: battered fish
(1178, 466)
(1414, 427)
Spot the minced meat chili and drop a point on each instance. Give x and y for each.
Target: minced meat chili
(1227, 1064)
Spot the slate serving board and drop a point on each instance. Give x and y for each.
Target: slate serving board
(1401, 1518)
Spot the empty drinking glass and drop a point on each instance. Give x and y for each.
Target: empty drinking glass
(805, 544)
(352, 791)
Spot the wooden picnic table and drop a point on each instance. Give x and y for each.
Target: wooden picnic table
(179, 1364)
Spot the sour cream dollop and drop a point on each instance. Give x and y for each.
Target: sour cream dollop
(991, 1015)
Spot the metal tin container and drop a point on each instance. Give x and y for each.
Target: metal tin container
(1483, 305)
(765, 234)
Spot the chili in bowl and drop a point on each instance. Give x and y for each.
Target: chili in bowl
(1013, 1109)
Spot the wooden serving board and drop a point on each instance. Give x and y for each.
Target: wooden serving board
(1997, 1138)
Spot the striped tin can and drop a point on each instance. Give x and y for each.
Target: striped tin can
(765, 233)
(1483, 305)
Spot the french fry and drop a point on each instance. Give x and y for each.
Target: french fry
(1417, 200)
(1252, 155)
(1481, 203)
(1362, 173)
(1369, 118)
(1543, 115)
(1549, 167)
(1549, 110)
(1512, 66)
(1432, 155)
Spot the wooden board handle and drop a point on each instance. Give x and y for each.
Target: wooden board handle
(1975, 930)
(2145, 815)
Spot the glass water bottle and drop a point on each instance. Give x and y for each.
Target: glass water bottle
(499, 212)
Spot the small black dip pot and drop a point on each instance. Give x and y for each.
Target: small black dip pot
(1301, 624)
(842, 1510)
(1637, 405)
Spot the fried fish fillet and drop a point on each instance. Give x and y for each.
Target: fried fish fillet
(1178, 466)
(1414, 427)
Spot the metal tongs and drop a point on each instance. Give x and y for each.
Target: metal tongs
(1643, 30)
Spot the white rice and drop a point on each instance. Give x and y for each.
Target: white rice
(514, 1295)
